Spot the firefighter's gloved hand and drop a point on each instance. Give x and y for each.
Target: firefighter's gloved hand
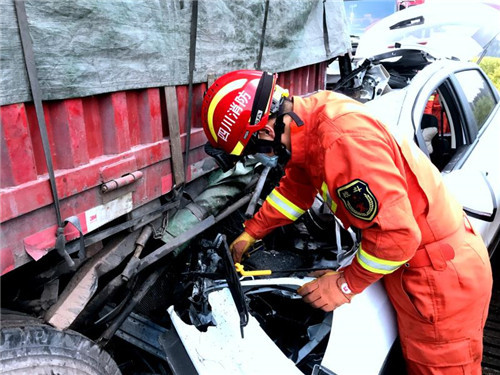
(327, 292)
(240, 246)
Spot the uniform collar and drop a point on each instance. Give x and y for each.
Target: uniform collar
(299, 140)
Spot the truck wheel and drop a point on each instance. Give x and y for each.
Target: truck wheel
(29, 346)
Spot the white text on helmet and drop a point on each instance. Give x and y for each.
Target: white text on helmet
(242, 98)
(232, 114)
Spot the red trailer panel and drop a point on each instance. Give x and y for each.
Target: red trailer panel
(95, 140)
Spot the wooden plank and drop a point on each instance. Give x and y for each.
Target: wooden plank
(175, 136)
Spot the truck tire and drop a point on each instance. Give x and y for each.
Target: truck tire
(27, 346)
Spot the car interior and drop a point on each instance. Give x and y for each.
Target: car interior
(441, 126)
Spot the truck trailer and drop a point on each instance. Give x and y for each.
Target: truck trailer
(105, 184)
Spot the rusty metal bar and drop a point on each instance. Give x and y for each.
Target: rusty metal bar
(122, 181)
(256, 194)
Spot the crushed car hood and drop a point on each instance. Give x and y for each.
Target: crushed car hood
(443, 29)
(222, 350)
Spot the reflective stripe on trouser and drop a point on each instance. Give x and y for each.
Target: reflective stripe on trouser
(441, 313)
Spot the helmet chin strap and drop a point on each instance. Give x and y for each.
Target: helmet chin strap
(279, 128)
(276, 146)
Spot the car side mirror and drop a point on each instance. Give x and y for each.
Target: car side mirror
(473, 190)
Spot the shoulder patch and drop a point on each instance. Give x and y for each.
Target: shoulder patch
(359, 200)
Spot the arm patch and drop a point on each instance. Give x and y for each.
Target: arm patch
(359, 200)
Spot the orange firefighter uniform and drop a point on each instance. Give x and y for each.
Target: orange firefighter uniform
(435, 269)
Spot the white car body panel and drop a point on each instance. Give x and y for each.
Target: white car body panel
(221, 350)
(474, 192)
(367, 325)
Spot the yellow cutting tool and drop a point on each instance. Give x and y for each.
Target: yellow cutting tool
(240, 269)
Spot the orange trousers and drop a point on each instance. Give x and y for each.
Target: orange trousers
(442, 307)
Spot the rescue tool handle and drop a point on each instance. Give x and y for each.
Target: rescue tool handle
(239, 268)
(232, 279)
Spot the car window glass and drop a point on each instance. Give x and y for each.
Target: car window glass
(490, 61)
(443, 127)
(478, 93)
(436, 130)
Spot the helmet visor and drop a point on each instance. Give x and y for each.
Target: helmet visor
(263, 96)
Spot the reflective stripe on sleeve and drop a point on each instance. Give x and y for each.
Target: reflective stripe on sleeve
(377, 265)
(284, 206)
(327, 198)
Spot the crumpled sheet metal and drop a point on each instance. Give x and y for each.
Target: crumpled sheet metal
(222, 187)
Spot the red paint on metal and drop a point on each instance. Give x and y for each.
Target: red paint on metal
(50, 135)
(182, 100)
(16, 229)
(93, 140)
(7, 262)
(304, 80)
(118, 169)
(13, 202)
(182, 103)
(152, 153)
(18, 164)
(155, 114)
(92, 118)
(149, 116)
(69, 141)
(166, 184)
(39, 244)
(114, 123)
(164, 114)
(133, 118)
(198, 91)
(36, 140)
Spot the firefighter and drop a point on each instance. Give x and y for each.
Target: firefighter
(415, 236)
(434, 107)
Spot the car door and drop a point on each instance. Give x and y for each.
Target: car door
(466, 148)
(479, 163)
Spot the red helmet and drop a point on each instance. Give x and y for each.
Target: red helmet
(235, 107)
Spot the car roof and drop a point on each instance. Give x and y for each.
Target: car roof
(444, 29)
